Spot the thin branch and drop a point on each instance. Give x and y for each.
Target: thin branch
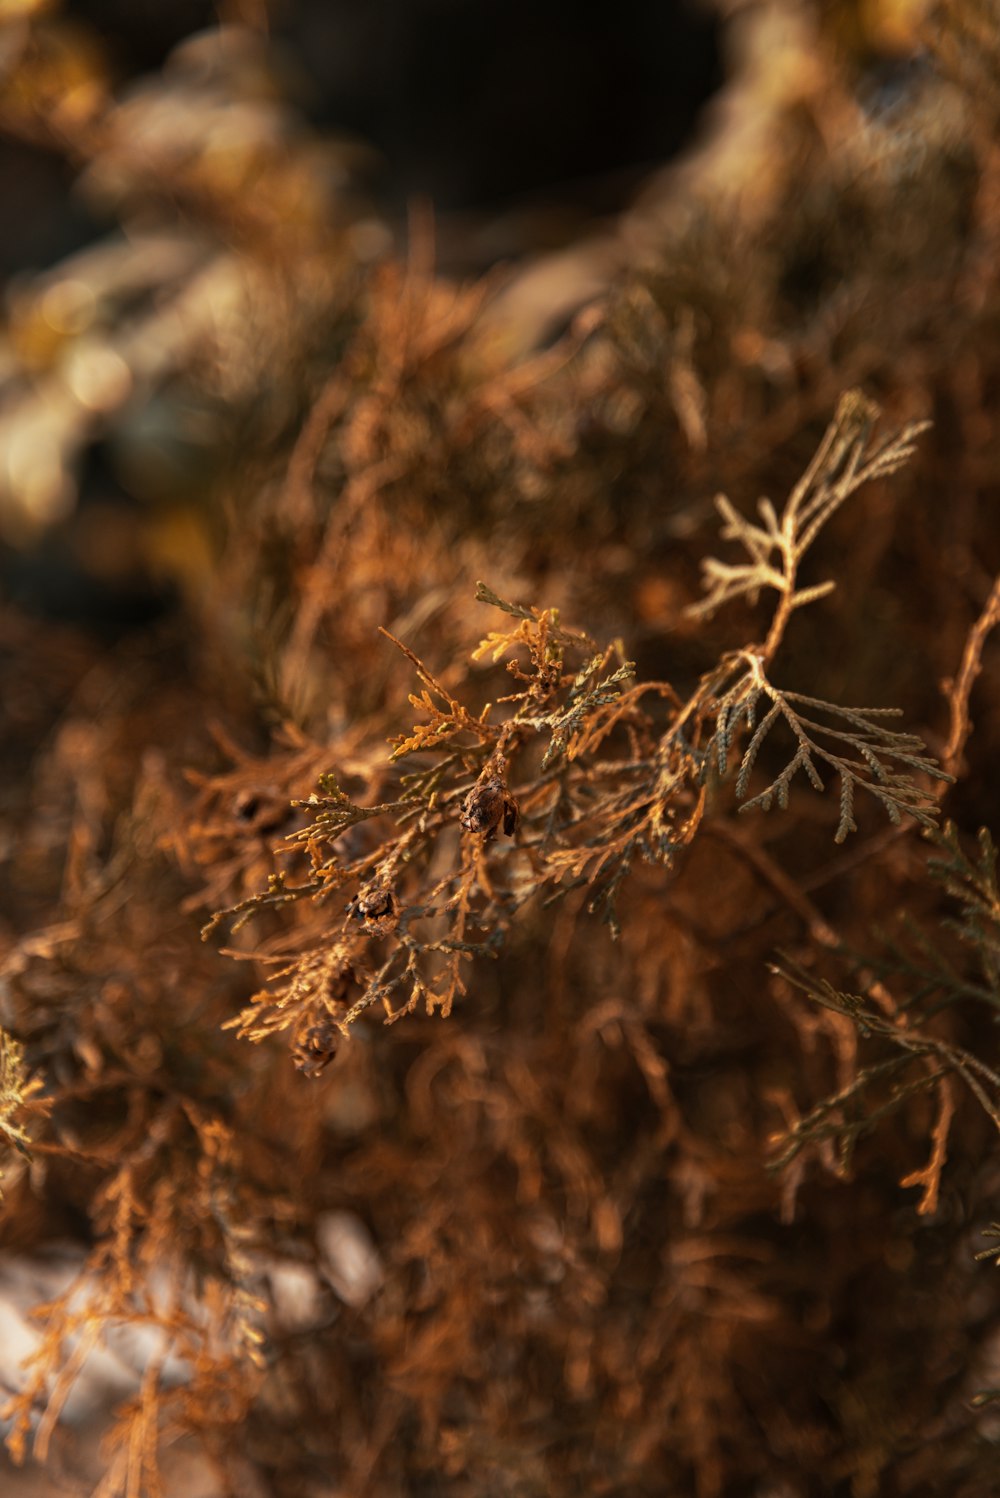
(961, 688)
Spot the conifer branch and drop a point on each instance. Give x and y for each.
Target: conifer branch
(842, 464)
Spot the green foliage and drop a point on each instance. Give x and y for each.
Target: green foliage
(860, 729)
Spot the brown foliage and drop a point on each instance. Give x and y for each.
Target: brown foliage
(680, 1199)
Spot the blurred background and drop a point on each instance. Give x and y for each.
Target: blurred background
(521, 132)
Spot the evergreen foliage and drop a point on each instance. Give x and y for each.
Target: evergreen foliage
(302, 981)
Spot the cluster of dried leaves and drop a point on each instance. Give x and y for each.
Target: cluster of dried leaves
(638, 1191)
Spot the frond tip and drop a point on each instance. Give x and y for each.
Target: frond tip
(844, 461)
(855, 743)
